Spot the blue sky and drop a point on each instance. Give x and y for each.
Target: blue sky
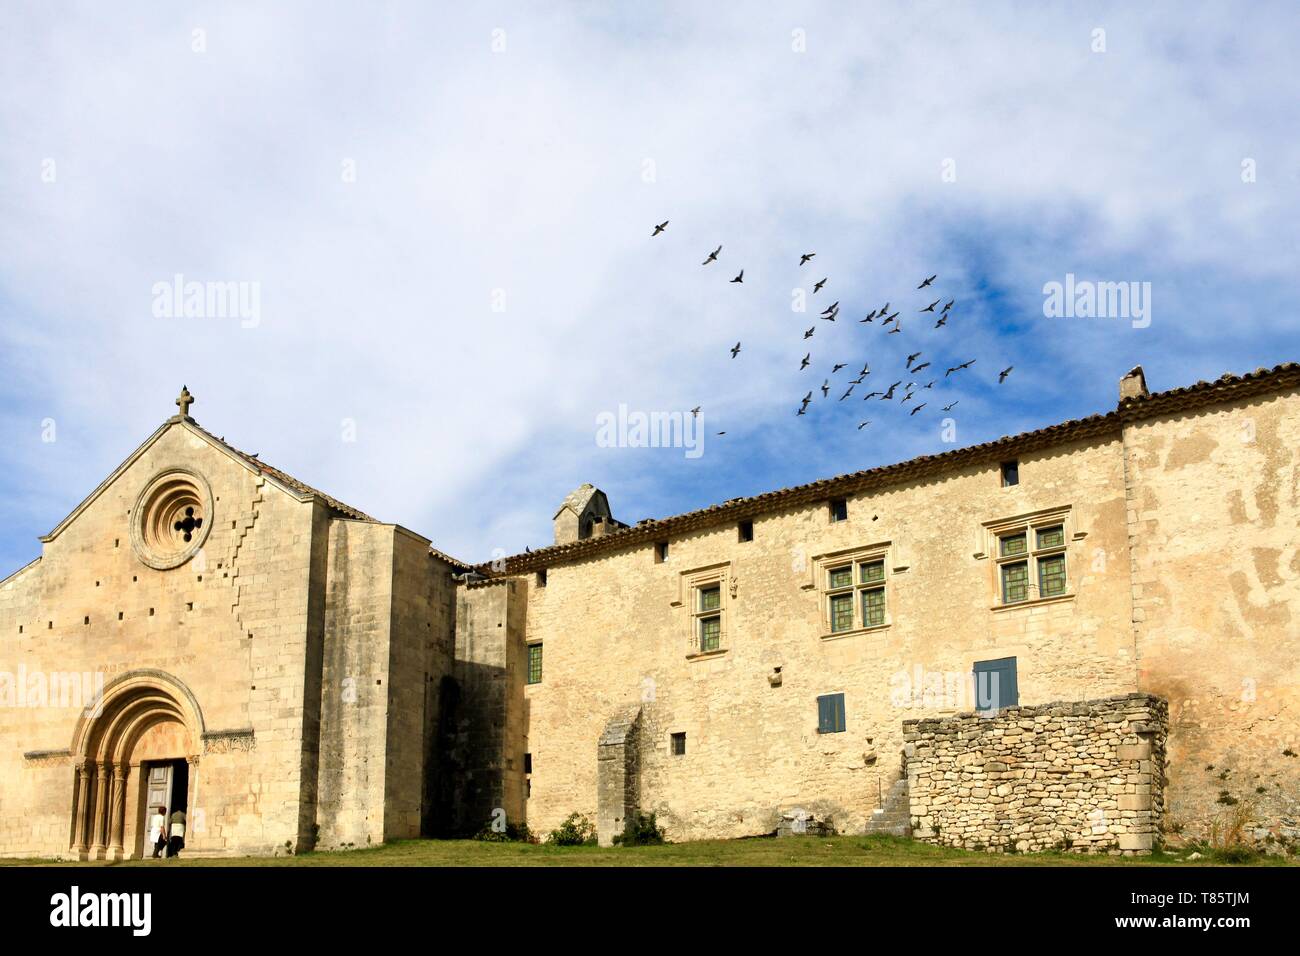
(520, 154)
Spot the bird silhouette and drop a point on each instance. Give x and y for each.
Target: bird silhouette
(802, 410)
(895, 330)
(713, 256)
(947, 305)
(958, 368)
(659, 228)
(695, 412)
(865, 370)
(847, 394)
(837, 367)
(741, 277)
(869, 317)
(871, 395)
(806, 257)
(833, 307)
(930, 307)
(806, 359)
(929, 384)
(918, 408)
(826, 388)
(831, 317)
(809, 333)
(889, 393)
(1002, 375)
(818, 287)
(912, 358)
(941, 323)
(928, 281)
(807, 398)
(863, 425)
(921, 366)
(948, 408)
(735, 351)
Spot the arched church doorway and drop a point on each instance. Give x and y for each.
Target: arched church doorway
(136, 751)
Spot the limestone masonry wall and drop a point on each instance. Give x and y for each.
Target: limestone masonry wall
(1083, 776)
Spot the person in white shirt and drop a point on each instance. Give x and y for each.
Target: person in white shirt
(158, 830)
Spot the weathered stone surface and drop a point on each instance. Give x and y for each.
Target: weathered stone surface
(1089, 806)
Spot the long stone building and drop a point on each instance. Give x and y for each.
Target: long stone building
(1117, 594)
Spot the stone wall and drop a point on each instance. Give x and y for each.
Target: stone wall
(1086, 776)
(617, 633)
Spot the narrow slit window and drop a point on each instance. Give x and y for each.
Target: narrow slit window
(1010, 473)
(745, 531)
(679, 745)
(839, 509)
(534, 663)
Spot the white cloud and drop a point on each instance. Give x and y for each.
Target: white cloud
(522, 171)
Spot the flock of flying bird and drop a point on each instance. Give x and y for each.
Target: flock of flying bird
(831, 313)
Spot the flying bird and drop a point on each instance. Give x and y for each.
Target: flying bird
(659, 228)
(735, 351)
(847, 394)
(831, 308)
(863, 425)
(831, 317)
(1002, 375)
(929, 384)
(912, 358)
(807, 398)
(809, 333)
(870, 395)
(948, 408)
(806, 359)
(948, 305)
(921, 366)
(818, 287)
(837, 367)
(871, 316)
(695, 412)
(918, 408)
(896, 328)
(741, 277)
(890, 392)
(958, 368)
(865, 370)
(803, 410)
(928, 281)
(941, 323)
(713, 256)
(806, 257)
(930, 307)
(826, 388)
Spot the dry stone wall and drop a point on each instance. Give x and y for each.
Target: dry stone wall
(1085, 776)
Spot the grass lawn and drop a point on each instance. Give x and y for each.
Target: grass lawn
(769, 851)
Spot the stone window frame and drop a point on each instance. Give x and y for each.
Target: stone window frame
(1031, 523)
(883, 552)
(692, 583)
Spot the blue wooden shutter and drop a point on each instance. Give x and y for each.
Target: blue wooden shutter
(1006, 693)
(830, 714)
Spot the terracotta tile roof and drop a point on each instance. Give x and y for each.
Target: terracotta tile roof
(1228, 388)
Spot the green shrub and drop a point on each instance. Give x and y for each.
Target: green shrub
(513, 833)
(577, 830)
(641, 830)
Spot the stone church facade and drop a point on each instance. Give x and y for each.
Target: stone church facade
(206, 632)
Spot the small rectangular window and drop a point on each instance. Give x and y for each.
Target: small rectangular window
(830, 714)
(534, 663)
(995, 684)
(1010, 473)
(679, 745)
(661, 552)
(710, 633)
(1015, 582)
(839, 509)
(745, 531)
(528, 763)
(541, 578)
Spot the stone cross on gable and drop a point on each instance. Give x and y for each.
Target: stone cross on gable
(185, 401)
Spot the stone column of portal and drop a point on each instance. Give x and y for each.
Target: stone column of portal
(97, 847)
(117, 813)
(79, 810)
